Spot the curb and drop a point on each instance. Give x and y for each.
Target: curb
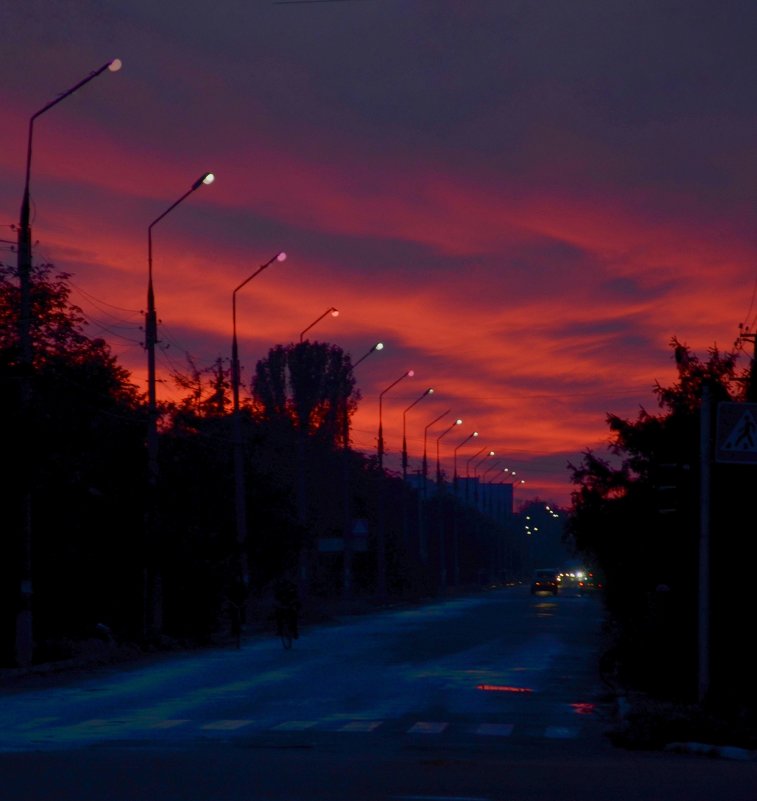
(713, 751)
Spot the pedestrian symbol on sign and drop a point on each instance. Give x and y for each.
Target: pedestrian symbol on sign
(744, 435)
(737, 433)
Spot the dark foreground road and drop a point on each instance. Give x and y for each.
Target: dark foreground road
(493, 698)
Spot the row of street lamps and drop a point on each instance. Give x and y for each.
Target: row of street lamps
(153, 601)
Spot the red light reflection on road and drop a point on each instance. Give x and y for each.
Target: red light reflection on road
(583, 708)
(503, 688)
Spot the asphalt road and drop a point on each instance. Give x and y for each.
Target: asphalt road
(491, 698)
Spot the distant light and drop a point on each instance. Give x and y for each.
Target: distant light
(475, 433)
(208, 179)
(503, 688)
(335, 312)
(410, 373)
(115, 65)
(282, 256)
(458, 422)
(379, 346)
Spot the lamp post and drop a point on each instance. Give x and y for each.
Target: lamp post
(487, 493)
(381, 540)
(153, 598)
(348, 523)
(467, 471)
(405, 521)
(240, 502)
(442, 548)
(407, 374)
(425, 437)
(334, 312)
(423, 544)
(475, 474)
(438, 440)
(24, 619)
(454, 458)
(429, 391)
(455, 525)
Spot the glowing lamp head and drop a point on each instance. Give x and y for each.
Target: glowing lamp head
(475, 433)
(282, 256)
(378, 346)
(458, 422)
(410, 373)
(206, 179)
(335, 312)
(115, 65)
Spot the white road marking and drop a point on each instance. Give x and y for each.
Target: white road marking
(361, 725)
(560, 732)
(226, 725)
(427, 727)
(495, 729)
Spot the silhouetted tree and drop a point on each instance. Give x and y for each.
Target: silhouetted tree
(80, 450)
(308, 384)
(645, 537)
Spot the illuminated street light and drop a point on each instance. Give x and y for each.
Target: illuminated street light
(454, 462)
(334, 312)
(429, 391)
(24, 622)
(381, 540)
(154, 615)
(457, 422)
(348, 523)
(480, 462)
(240, 501)
(408, 374)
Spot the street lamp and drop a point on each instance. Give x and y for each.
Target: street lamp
(240, 503)
(24, 228)
(407, 374)
(348, 523)
(454, 458)
(429, 391)
(425, 437)
(334, 312)
(438, 439)
(151, 340)
(480, 462)
(24, 627)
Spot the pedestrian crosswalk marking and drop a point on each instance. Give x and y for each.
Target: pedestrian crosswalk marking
(295, 725)
(169, 724)
(560, 732)
(102, 728)
(495, 729)
(361, 725)
(226, 725)
(427, 727)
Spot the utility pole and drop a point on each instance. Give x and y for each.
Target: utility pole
(745, 335)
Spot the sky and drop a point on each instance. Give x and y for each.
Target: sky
(524, 201)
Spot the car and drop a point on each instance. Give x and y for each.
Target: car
(545, 580)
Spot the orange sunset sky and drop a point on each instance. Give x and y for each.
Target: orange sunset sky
(524, 201)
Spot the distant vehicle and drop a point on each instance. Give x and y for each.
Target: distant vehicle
(545, 580)
(589, 582)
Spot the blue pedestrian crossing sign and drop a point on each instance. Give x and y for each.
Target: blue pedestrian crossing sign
(736, 435)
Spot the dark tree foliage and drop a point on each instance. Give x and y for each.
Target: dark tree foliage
(638, 521)
(310, 386)
(74, 437)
